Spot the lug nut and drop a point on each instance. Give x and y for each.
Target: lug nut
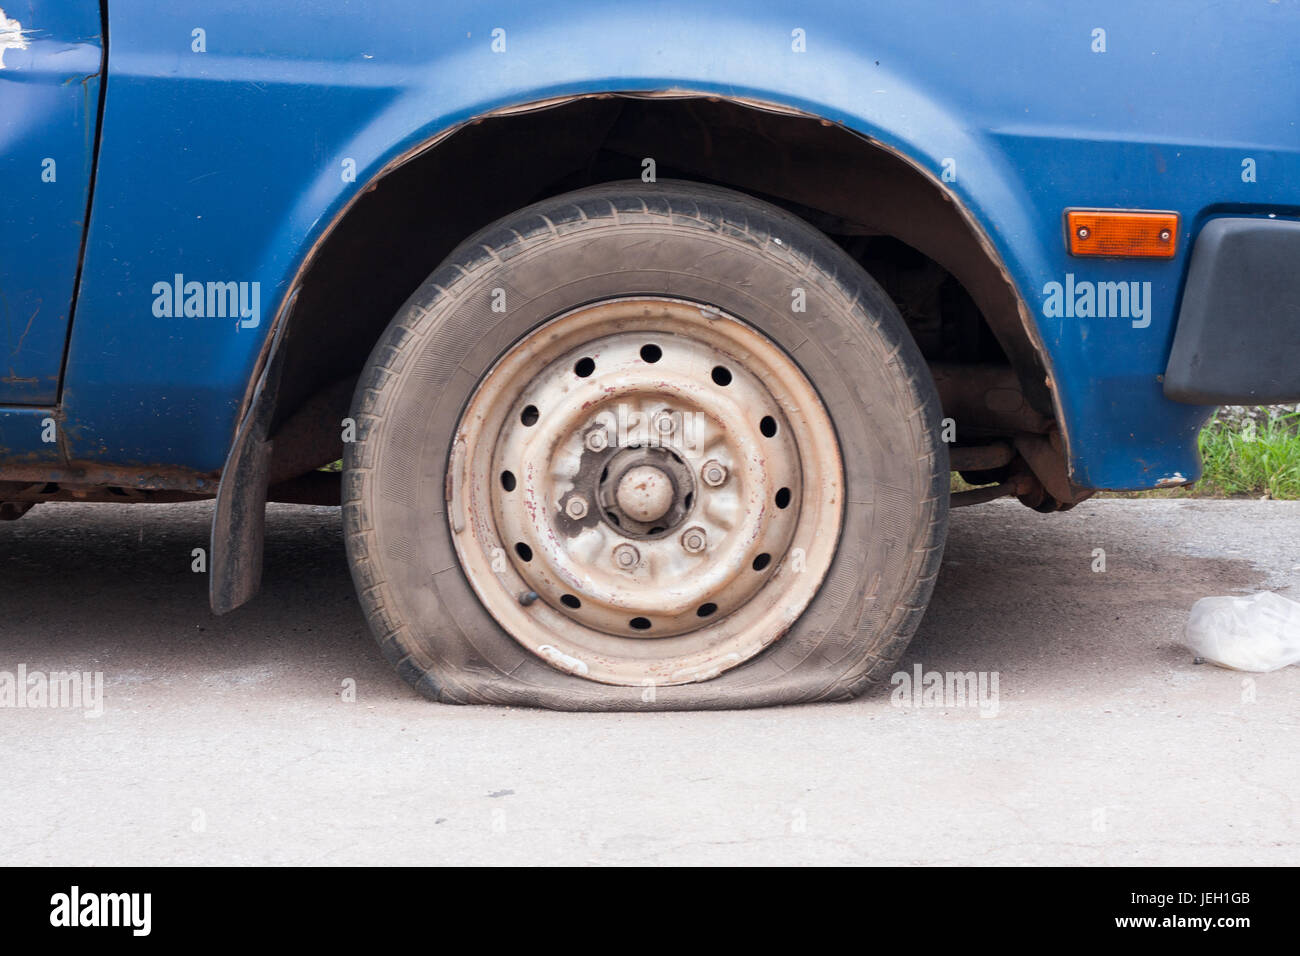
(664, 423)
(694, 540)
(596, 439)
(626, 557)
(576, 507)
(713, 473)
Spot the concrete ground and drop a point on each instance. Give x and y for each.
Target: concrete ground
(232, 740)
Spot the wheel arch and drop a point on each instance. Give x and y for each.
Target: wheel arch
(471, 173)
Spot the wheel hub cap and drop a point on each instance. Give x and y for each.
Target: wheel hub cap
(645, 493)
(642, 492)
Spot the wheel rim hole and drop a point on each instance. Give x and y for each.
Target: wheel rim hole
(525, 553)
(529, 416)
(706, 610)
(767, 426)
(639, 624)
(571, 601)
(584, 367)
(783, 498)
(721, 375)
(762, 561)
(651, 354)
(508, 480)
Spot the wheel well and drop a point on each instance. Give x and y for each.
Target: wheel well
(889, 215)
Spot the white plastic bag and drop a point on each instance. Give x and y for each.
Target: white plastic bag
(1256, 633)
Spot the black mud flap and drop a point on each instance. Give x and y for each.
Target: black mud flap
(238, 522)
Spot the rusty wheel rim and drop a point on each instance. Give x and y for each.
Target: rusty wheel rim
(645, 491)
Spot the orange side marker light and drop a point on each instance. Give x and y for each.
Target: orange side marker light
(1121, 233)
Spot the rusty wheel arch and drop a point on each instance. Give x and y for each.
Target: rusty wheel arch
(815, 167)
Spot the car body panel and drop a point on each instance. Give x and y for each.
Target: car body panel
(227, 165)
(50, 57)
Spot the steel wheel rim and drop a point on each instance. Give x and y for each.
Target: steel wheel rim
(645, 491)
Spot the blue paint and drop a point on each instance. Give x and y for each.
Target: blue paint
(49, 101)
(223, 166)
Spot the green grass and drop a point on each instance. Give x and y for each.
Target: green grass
(1258, 458)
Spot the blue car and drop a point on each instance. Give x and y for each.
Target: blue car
(648, 335)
